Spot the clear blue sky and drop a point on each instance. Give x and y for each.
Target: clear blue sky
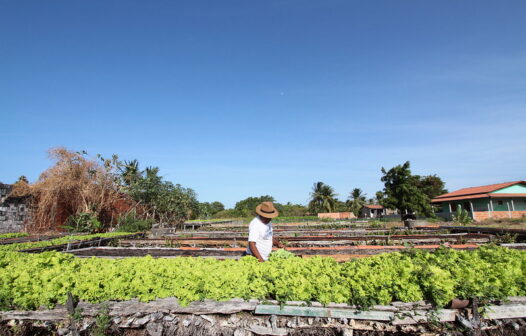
(244, 98)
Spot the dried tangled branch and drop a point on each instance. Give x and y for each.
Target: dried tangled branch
(72, 186)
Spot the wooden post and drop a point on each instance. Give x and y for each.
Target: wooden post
(472, 210)
(509, 208)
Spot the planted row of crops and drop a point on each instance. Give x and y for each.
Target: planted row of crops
(490, 272)
(59, 241)
(13, 235)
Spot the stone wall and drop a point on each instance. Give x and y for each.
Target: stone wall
(236, 317)
(13, 211)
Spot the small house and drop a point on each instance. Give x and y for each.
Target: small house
(496, 201)
(372, 211)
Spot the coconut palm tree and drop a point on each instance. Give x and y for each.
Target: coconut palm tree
(323, 198)
(130, 172)
(356, 201)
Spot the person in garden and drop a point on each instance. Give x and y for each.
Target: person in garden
(260, 235)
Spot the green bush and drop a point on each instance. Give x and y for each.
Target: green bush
(131, 222)
(462, 217)
(83, 222)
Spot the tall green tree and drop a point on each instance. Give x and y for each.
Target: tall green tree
(379, 197)
(130, 172)
(208, 210)
(247, 207)
(340, 206)
(402, 192)
(293, 210)
(356, 201)
(170, 204)
(323, 198)
(431, 185)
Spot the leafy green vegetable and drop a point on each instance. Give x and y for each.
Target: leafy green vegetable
(281, 254)
(58, 241)
(29, 281)
(13, 235)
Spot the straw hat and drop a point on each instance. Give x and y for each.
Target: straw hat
(267, 210)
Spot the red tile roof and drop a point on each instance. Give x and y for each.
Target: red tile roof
(373, 206)
(458, 198)
(474, 192)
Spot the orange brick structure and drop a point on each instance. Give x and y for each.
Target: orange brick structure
(483, 215)
(495, 201)
(337, 215)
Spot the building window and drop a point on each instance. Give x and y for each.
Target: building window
(499, 202)
(453, 207)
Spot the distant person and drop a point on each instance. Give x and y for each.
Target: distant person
(260, 235)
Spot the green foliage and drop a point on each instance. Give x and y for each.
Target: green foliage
(83, 222)
(281, 254)
(131, 222)
(13, 235)
(356, 201)
(208, 210)
(294, 219)
(247, 207)
(402, 191)
(462, 216)
(228, 214)
(291, 210)
(431, 185)
(102, 321)
(32, 280)
(323, 198)
(379, 197)
(376, 224)
(170, 204)
(340, 206)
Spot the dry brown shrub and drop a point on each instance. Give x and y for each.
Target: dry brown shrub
(20, 189)
(73, 185)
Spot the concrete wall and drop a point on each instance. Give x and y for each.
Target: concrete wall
(336, 215)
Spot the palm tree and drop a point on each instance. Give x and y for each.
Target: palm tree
(323, 198)
(130, 172)
(356, 201)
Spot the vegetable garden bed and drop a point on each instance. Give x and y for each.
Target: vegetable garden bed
(338, 295)
(312, 240)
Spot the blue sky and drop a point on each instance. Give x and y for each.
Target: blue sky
(245, 98)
